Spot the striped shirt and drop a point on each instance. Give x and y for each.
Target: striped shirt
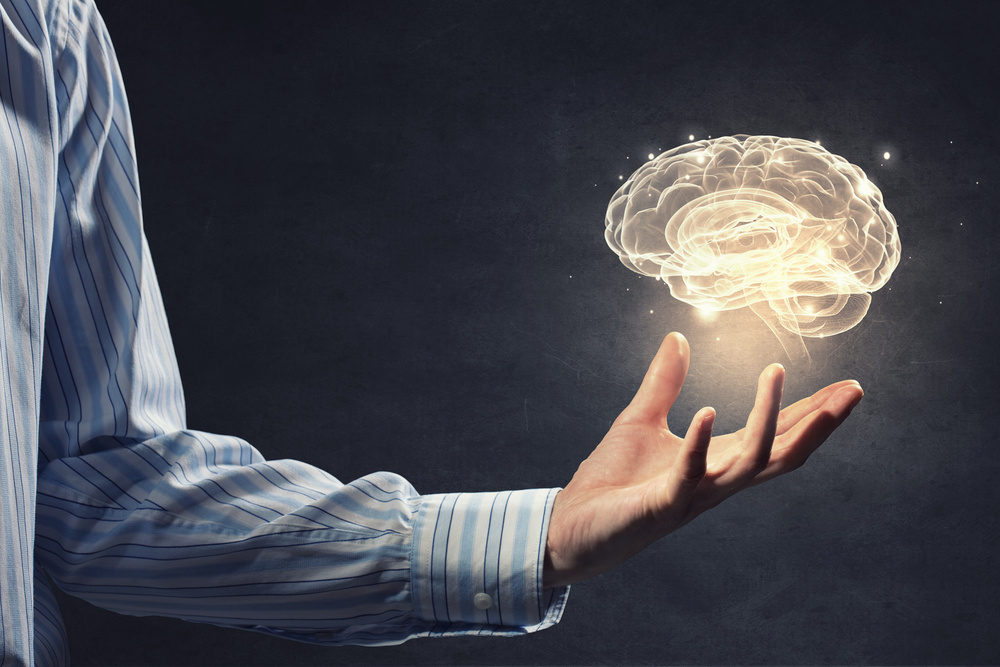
(105, 490)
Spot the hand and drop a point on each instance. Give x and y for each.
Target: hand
(643, 481)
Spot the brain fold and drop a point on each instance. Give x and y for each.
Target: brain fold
(781, 225)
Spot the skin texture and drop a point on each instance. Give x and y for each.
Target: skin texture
(643, 482)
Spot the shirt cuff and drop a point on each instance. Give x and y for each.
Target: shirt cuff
(477, 562)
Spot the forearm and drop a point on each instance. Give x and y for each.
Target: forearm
(284, 548)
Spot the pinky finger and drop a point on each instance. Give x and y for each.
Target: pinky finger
(806, 436)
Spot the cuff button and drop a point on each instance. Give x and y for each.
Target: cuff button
(482, 601)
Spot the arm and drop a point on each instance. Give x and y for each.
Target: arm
(142, 515)
(139, 514)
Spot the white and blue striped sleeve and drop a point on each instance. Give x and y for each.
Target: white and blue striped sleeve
(477, 561)
(139, 514)
(369, 562)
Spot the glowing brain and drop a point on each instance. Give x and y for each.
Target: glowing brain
(781, 225)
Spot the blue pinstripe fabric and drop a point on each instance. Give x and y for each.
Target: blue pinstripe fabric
(103, 487)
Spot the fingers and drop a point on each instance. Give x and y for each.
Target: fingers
(758, 436)
(791, 415)
(663, 381)
(812, 431)
(690, 464)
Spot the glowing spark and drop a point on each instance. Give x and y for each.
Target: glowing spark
(885, 155)
(706, 313)
(690, 137)
(748, 221)
(651, 156)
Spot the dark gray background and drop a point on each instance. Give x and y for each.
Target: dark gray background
(378, 229)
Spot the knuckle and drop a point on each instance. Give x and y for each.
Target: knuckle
(693, 474)
(692, 478)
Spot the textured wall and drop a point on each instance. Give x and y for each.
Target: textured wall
(379, 233)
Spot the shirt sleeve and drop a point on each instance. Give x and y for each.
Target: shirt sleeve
(139, 514)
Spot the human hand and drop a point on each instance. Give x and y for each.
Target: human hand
(642, 481)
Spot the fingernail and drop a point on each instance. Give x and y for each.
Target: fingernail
(847, 399)
(857, 399)
(708, 421)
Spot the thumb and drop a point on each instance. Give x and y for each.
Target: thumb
(663, 382)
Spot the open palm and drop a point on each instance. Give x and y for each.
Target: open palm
(643, 481)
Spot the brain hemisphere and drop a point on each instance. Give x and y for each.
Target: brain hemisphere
(781, 225)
